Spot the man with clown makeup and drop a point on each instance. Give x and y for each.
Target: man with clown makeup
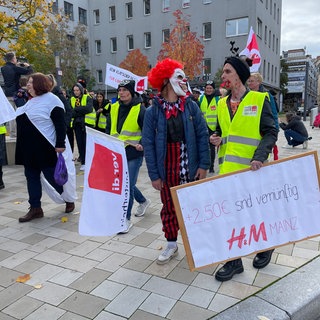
(175, 140)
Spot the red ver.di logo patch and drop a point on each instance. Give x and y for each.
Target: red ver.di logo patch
(106, 170)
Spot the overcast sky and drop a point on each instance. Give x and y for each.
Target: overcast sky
(300, 26)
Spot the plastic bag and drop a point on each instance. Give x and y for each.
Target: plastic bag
(61, 172)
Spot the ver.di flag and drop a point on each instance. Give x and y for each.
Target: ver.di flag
(252, 51)
(7, 112)
(106, 186)
(114, 75)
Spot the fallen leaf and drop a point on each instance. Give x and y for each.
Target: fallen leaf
(64, 219)
(77, 212)
(17, 202)
(263, 318)
(23, 278)
(160, 248)
(38, 286)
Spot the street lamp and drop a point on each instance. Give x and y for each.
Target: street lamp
(58, 69)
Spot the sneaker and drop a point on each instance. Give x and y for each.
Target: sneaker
(141, 210)
(82, 167)
(128, 227)
(305, 144)
(287, 146)
(167, 255)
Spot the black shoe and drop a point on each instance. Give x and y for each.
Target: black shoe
(231, 268)
(262, 259)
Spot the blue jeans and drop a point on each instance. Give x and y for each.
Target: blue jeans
(133, 168)
(34, 184)
(294, 138)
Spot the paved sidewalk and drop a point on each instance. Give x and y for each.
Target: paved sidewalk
(115, 278)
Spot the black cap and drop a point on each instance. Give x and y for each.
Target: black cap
(128, 84)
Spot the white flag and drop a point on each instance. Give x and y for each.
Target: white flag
(252, 51)
(114, 75)
(7, 112)
(106, 186)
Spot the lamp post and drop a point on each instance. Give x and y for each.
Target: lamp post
(58, 69)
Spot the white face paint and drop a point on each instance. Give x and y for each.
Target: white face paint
(179, 82)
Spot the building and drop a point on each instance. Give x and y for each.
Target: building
(302, 84)
(117, 26)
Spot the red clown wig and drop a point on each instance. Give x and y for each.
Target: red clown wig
(163, 70)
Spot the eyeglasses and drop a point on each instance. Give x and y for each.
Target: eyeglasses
(124, 82)
(209, 82)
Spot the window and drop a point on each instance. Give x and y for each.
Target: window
(146, 7)
(96, 16)
(165, 5)
(130, 42)
(207, 68)
(264, 68)
(273, 41)
(85, 47)
(269, 43)
(278, 16)
(272, 73)
(265, 34)
(237, 27)
(98, 46)
(55, 6)
(185, 3)
(68, 10)
(99, 76)
(165, 35)
(277, 45)
(112, 13)
(113, 45)
(82, 16)
(275, 74)
(207, 31)
(274, 11)
(271, 7)
(268, 71)
(267, 1)
(259, 28)
(129, 13)
(147, 40)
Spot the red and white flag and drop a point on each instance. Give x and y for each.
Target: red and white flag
(252, 51)
(106, 186)
(114, 75)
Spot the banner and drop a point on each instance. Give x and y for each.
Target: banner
(114, 75)
(106, 186)
(229, 216)
(7, 112)
(252, 51)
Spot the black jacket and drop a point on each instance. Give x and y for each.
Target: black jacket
(11, 75)
(296, 125)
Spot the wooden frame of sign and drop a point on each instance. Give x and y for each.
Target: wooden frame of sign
(234, 215)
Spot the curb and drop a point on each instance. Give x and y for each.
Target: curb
(294, 297)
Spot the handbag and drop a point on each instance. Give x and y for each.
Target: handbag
(60, 171)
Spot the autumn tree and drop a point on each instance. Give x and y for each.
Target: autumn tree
(22, 26)
(136, 63)
(184, 46)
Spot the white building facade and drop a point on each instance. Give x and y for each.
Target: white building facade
(115, 27)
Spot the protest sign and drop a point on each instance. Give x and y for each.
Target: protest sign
(237, 214)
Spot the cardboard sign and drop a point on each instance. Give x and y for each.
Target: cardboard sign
(234, 215)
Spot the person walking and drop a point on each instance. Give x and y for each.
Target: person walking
(41, 133)
(255, 83)
(295, 131)
(175, 139)
(245, 134)
(208, 105)
(11, 72)
(125, 123)
(83, 115)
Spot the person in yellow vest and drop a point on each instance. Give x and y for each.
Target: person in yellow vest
(3, 152)
(101, 106)
(245, 134)
(208, 105)
(125, 123)
(83, 115)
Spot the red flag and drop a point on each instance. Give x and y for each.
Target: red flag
(252, 51)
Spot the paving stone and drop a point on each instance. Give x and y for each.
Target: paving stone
(22, 307)
(90, 280)
(84, 304)
(46, 311)
(13, 293)
(8, 276)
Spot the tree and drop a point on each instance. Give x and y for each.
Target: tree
(184, 46)
(217, 78)
(22, 26)
(136, 63)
